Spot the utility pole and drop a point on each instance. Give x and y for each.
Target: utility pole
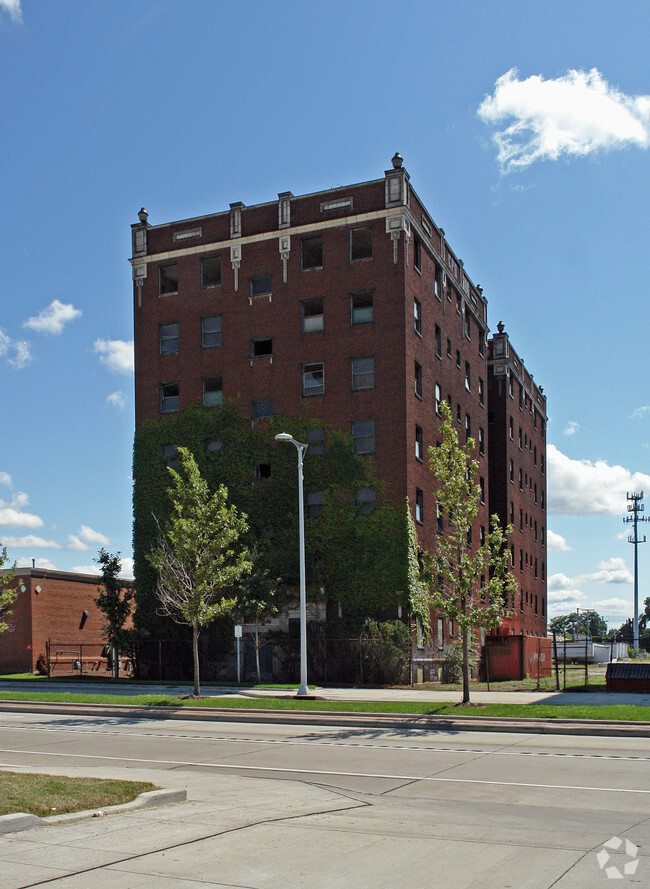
(635, 506)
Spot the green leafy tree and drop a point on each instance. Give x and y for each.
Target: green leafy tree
(114, 601)
(259, 598)
(198, 557)
(469, 586)
(583, 623)
(8, 592)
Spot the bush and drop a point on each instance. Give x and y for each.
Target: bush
(631, 651)
(452, 669)
(386, 652)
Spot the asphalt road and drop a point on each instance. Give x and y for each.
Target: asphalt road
(278, 807)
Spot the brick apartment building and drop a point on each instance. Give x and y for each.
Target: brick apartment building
(517, 429)
(348, 304)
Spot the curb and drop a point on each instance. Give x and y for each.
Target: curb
(24, 821)
(526, 725)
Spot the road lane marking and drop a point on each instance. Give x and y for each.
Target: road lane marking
(322, 772)
(299, 743)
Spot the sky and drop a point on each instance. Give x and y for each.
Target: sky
(525, 128)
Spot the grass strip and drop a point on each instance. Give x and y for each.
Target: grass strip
(55, 794)
(607, 712)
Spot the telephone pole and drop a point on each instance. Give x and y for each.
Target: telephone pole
(635, 506)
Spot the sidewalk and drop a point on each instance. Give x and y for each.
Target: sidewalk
(594, 698)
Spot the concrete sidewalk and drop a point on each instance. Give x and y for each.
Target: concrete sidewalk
(594, 698)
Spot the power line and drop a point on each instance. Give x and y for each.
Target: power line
(635, 506)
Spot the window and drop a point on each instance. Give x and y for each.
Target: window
(448, 348)
(363, 432)
(212, 392)
(211, 332)
(214, 449)
(315, 442)
(418, 443)
(417, 316)
(261, 348)
(417, 253)
(168, 337)
(210, 271)
(521, 480)
(481, 482)
(438, 398)
(468, 325)
(312, 315)
(512, 512)
(170, 399)
(170, 454)
(262, 471)
(437, 283)
(481, 440)
(361, 243)
(512, 470)
(481, 343)
(440, 524)
(520, 439)
(363, 373)
(511, 429)
(365, 501)
(481, 392)
(419, 506)
(262, 407)
(312, 252)
(315, 504)
(362, 309)
(260, 285)
(458, 358)
(313, 379)
(168, 279)
(468, 376)
(521, 520)
(418, 380)
(438, 342)
(459, 414)
(468, 427)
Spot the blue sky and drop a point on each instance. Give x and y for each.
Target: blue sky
(525, 129)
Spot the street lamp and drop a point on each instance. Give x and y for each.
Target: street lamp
(301, 448)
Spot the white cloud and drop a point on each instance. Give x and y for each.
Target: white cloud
(117, 355)
(17, 353)
(86, 538)
(86, 569)
(612, 571)
(573, 115)
(617, 606)
(53, 318)
(556, 542)
(12, 515)
(12, 7)
(640, 412)
(571, 428)
(30, 540)
(117, 400)
(39, 563)
(5, 479)
(580, 487)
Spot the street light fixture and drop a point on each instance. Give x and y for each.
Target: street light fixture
(301, 448)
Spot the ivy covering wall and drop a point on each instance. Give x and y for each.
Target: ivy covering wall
(358, 560)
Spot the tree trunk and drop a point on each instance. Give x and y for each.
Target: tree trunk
(195, 652)
(465, 665)
(257, 651)
(116, 662)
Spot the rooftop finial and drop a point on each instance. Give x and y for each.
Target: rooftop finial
(397, 160)
(500, 326)
(143, 216)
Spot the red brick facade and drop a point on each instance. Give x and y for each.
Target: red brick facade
(342, 303)
(50, 605)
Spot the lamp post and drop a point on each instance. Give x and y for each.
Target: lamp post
(301, 448)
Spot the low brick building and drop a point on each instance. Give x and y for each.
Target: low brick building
(51, 606)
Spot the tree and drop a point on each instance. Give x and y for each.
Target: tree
(8, 592)
(114, 600)
(472, 587)
(259, 598)
(197, 557)
(580, 623)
